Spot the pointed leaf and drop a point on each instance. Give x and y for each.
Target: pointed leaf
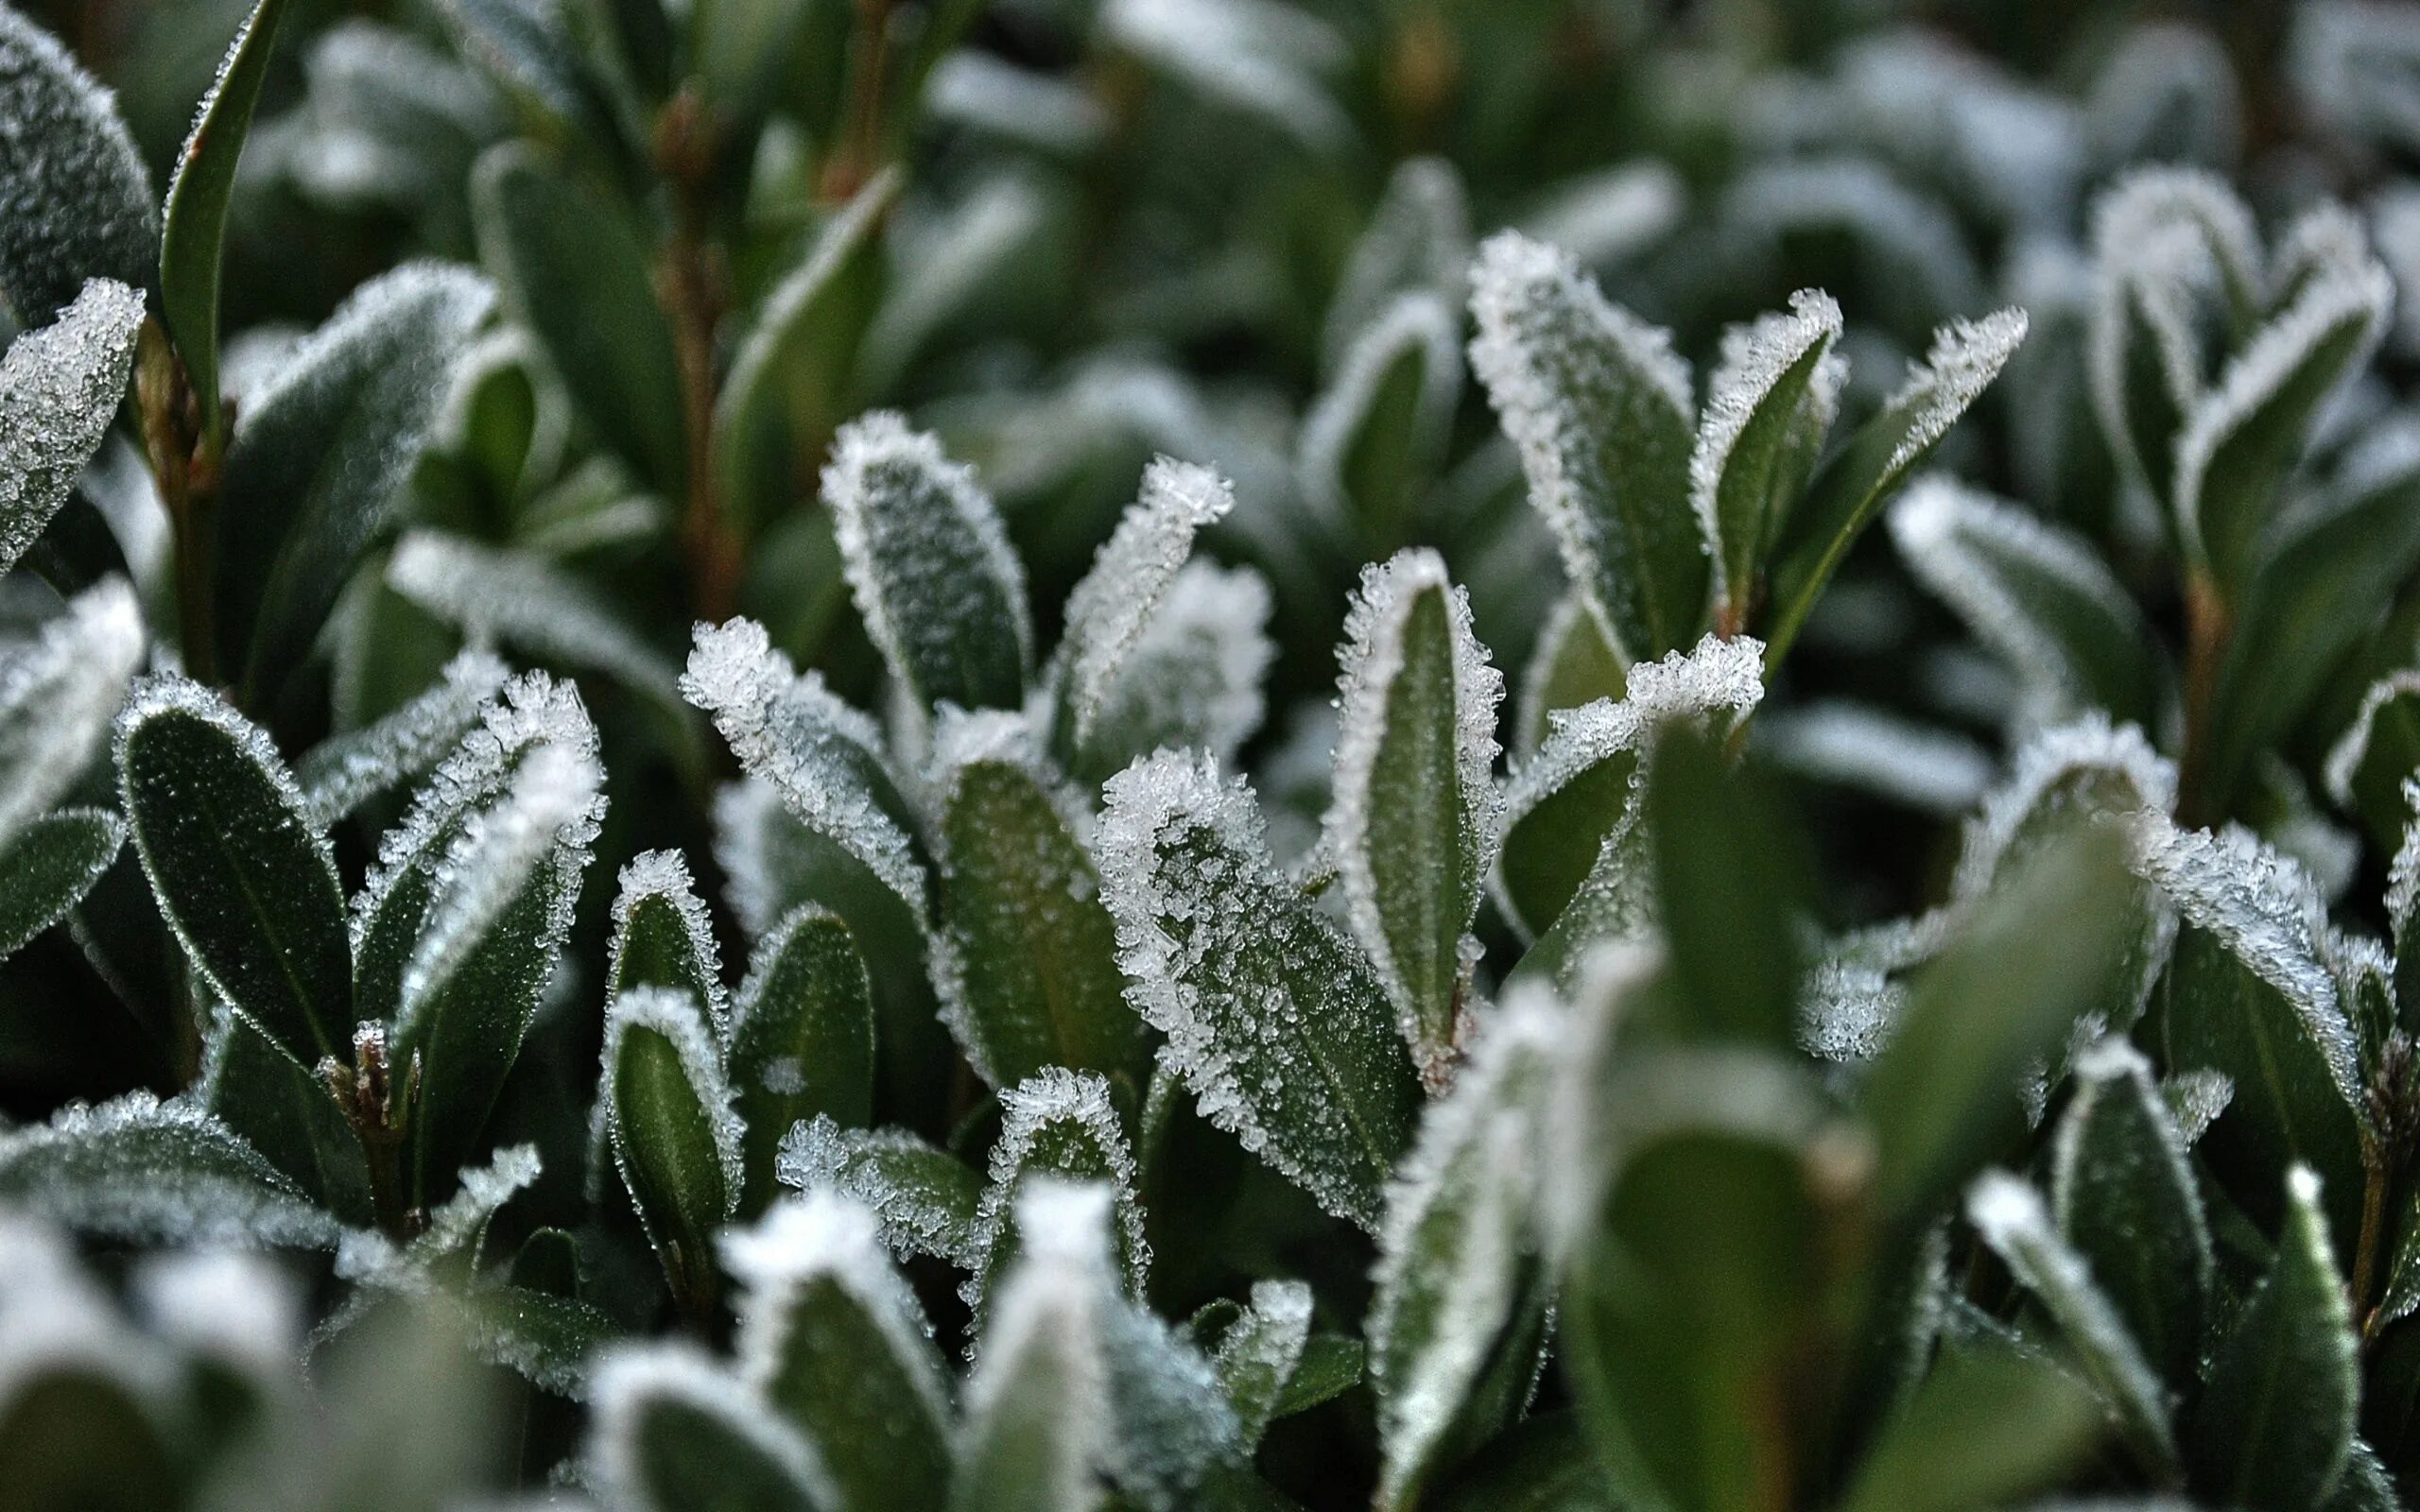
(1059, 1125)
(802, 1037)
(1415, 810)
(275, 1104)
(1769, 407)
(665, 1105)
(941, 593)
(674, 1432)
(75, 201)
(1732, 889)
(1573, 666)
(664, 938)
(243, 876)
(1418, 240)
(1275, 1019)
(49, 867)
(344, 771)
(58, 693)
(1988, 1424)
(1372, 443)
(925, 1198)
(1261, 1352)
(194, 230)
(142, 1170)
(60, 385)
(1193, 678)
(1599, 408)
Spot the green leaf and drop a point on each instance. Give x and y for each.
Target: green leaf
(1412, 821)
(1037, 1412)
(1193, 678)
(564, 251)
(2246, 435)
(49, 867)
(2037, 594)
(141, 1170)
(1769, 407)
(802, 1037)
(674, 1433)
(549, 1341)
(1260, 1353)
(663, 936)
(1883, 453)
(77, 1429)
(1600, 409)
(500, 907)
(926, 1199)
(345, 771)
(1372, 443)
(276, 1105)
(2378, 752)
(1059, 1125)
(1456, 1270)
(2275, 1421)
(314, 478)
(2247, 997)
(1943, 1094)
(242, 875)
(1332, 1365)
(75, 202)
(1989, 1424)
(788, 386)
(1171, 1425)
(941, 593)
(58, 693)
(193, 231)
(831, 1338)
(2126, 1200)
(1277, 1020)
(1542, 1463)
(60, 385)
(1573, 666)
(666, 1106)
(1732, 890)
(2010, 1218)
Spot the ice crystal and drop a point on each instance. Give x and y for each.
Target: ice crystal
(664, 875)
(59, 387)
(898, 1178)
(141, 1169)
(341, 773)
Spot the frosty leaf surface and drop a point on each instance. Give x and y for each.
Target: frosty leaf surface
(344, 771)
(1058, 1124)
(666, 1103)
(675, 1429)
(802, 1037)
(1418, 241)
(1252, 56)
(1770, 405)
(60, 385)
(1372, 442)
(58, 693)
(1260, 1352)
(1037, 1409)
(48, 868)
(925, 1199)
(1277, 1022)
(276, 1105)
(138, 1169)
(663, 936)
(1193, 678)
(75, 202)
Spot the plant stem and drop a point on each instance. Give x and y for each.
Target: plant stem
(185, 464)
(853, 161)
(2374, 1185)
(2209, 625)
(691, 295)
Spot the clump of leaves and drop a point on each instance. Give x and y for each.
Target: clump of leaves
(1198, 918)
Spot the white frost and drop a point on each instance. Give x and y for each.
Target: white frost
(1108, 611)
(56, 695)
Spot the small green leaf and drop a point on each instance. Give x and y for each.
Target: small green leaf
(926, 1199)
(2126, 1200)
(1277, 1020)
(1171, 1426)
(1599, 408)
(1260, 1353)
(666, 1106)
(195, 221)
(1414, 813)
(564, 251)
(1943, 1094)
(663, 936)
(78, 202)
(548, 1340)
(49, 867)
(142, 1170)
(243, 876)
(345, 771)
(1573, 666)
(1989, 1424)
(788, 386)
(314, 478)
(673, 1432)
(1057, 1126)
(2378, 754)
(282, 1109)
(802, 1037)
(1732, 890)
(1862, 475)
(831, 1337)
(928, 561)
(60, 385)
(1372, 443)
(2275, 1422)
(1769, 407)
(2010, 1218)
(1193, 678)
(1332, 1365)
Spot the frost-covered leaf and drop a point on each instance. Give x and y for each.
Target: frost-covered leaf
(2127, 1201)
(48, 868)
(1173, 1429)
(1193, 680)
(1864, 472)
(1987, 1423)
(1253, 56)
(928, 561)
(75, 202)
(2243, 438)
(831, 1337)
(1026, 958)
(1572, 666)
(1910, 763)
(1412, 821)
(500, 903)
(2249, 996)
(281, 1108)
(1458, 1282)
(1372, 443)
(663, 936)
(2167, 92)
(821, 757)
(1112, 609)
(2037, 594)
(925, 1199)
(141, 1170)
(564, 251)
(1276, 1020)
(1600, 411)
(1576, 789)
(789, 382)
(1260, 1353)
(314, 478)
(58, 693)
(528, 49)
(61, 385)
(665, 1105)
(2379, 750)
(1768, 408)
(1418, 241)
(547, 1340)
(2275, 1421)
(2010, 1216)
(1059, 1124)
(1037, 1409)
(193, 223)
(240, 872)
(675, 1432)
(802, 1037)
(344, 771)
